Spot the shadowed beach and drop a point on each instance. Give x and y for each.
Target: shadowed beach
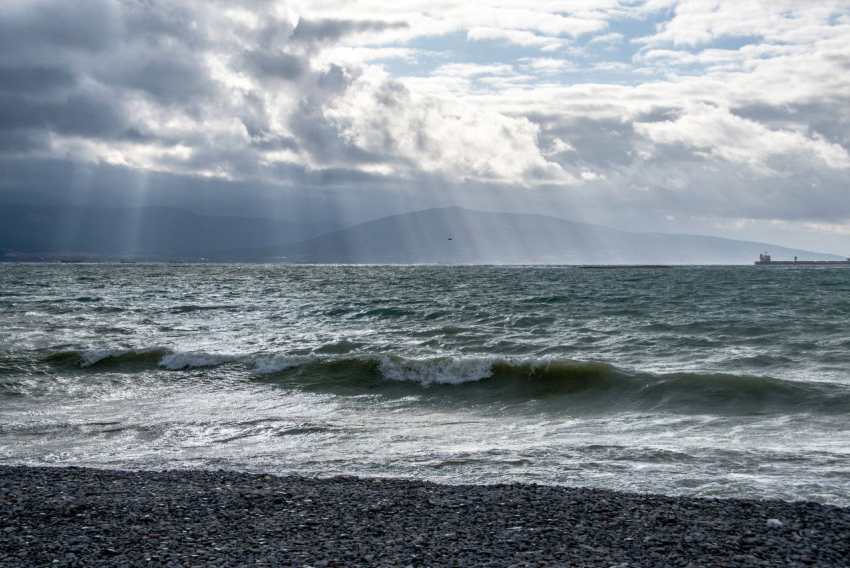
(86, 517)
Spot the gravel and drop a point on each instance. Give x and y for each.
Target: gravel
(85, 517)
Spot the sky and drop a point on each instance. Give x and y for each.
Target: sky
(727, 118)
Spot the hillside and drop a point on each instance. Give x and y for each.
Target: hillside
(455, 235)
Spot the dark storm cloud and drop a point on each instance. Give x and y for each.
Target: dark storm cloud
(334, 79)
(40, 26)
(820, 116)
(169, 77)
(74, 69)
(255, 117)
(322, 138)
(277, 64)
(35, 79)
(21, 142)
(79, 71)
(332, 30)
(160, 24)
(596, 141)
(275, 143)
(78, 115)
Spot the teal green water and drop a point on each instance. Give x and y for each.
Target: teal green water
(720, 381)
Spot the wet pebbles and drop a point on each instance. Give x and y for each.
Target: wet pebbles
(84, 517)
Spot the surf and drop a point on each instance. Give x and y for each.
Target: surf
(567, 384)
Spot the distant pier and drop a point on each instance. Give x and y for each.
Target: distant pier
(765, 260)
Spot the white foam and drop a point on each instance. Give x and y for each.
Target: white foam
(93, 356)
(176, 360)
(183, 360)
(277, 363)
(443, 371)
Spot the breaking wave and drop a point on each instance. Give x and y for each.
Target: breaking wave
(562, 382)
(163, 357)
(92, 357)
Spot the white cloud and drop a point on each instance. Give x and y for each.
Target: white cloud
(472, 70)
(699, 22)
(547, 65)
(550, 18)
(716, 132)
(559, 146)
(450, 138)
(588, 175)
(518, 37)
(610, 38)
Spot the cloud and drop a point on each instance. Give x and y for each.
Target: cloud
(547, 65)
(699, 22)
(34, 79)
(559, 146)
(588, 175)
(197, 91)
(715, 132)
(517, 37)
(384, 118)
(472, 70)
(620, 108)
(279, 65)
(546, 22)
(37, 27)
(612, 37)
(331, 30)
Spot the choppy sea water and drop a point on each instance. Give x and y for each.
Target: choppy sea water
(708, 381)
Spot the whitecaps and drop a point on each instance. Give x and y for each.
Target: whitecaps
(93, 356)
(277, 363)
(442, 371)
(184, 360)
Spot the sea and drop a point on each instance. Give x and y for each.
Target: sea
(697, 381)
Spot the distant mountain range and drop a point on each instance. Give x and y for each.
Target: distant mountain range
(449, 235)
(454, 235)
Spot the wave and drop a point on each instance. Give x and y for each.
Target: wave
(166, 358)
(92, 357)
(185, 309)
(560, 383)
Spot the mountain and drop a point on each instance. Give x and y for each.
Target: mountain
(450, 235)
(145, 232)
(456, 235)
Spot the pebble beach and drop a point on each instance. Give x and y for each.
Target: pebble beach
(89, 517)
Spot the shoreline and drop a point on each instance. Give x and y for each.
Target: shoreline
(70, 516)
